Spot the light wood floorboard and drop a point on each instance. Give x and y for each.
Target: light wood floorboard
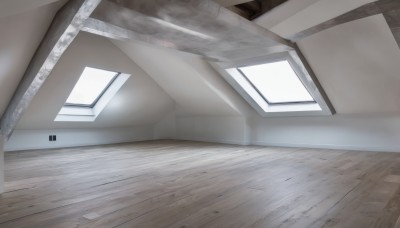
(189, 184)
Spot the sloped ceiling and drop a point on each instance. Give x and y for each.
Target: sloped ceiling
(357, 64)
(139, 102)
(20, 36)
(12, 7)
(188, 79)
(303, 14)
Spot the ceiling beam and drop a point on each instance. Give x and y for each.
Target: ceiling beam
(1, 164)
(199, 27)
(385, 7)
(393, 19)
(321, 97)
(63, 30)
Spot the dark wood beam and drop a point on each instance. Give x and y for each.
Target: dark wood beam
(63, 30)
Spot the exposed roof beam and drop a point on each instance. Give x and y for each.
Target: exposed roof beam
(386, 7)
(1, 164)
(200, 27)
(393, 19)
(105, 29)
(322, 98)
(64, 28)
(226, 3)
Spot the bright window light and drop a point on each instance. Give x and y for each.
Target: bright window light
(90, 87)
(277, 83)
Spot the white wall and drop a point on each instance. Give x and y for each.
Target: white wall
(349, 132)
(166, 127)
(39, 139)
(220, 129)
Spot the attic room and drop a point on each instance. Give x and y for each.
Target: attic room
(212, 113)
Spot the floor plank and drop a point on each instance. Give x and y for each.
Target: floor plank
(191, 184)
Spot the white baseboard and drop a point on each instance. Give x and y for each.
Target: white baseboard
(11, 149)
(298, 145)
(212, 140)
(38, 139)
(223, 141)
(330, 146)
(145, 135)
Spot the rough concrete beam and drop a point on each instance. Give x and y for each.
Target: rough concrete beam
(320, 96)
(105, 29)
(200, 27)
(63, 30)
(1, 164)
(370, 9)
(393, 19)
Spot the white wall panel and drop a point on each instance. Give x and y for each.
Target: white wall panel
(39, 139)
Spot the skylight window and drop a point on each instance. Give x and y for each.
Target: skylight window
(90, 95)
(277, 83)
(90, 87)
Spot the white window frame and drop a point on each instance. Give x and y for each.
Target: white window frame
(83, 113)
(98, 97)
(321, 107)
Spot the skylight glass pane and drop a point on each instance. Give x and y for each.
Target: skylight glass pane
(90, 86)
(277, 82)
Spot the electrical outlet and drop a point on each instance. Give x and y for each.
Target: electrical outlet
(52, 138)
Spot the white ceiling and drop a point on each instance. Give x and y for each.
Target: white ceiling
(297, 15)
(357, 64)
(14, 7)
(20, 36)
(188, 79)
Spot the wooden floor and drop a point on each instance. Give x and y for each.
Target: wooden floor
(186, 184)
